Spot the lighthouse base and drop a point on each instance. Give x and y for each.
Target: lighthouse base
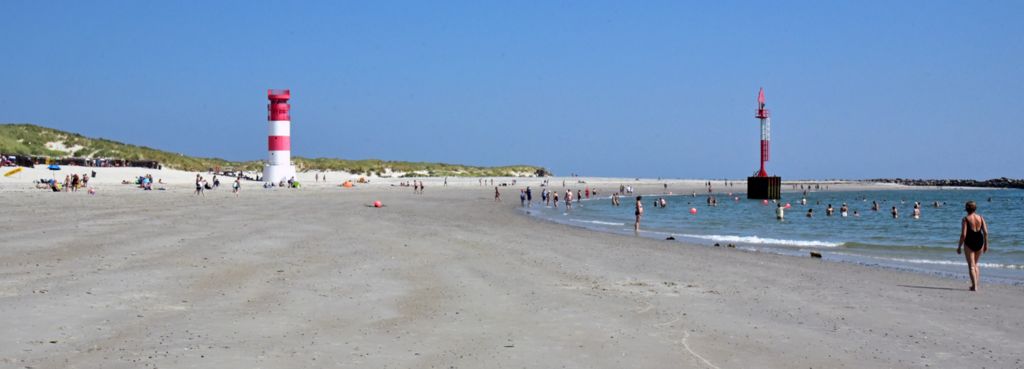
(764, 188)
(278, 173)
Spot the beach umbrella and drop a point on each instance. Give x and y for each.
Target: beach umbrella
(54, 168)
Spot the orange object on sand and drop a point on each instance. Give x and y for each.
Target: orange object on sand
(347, 184)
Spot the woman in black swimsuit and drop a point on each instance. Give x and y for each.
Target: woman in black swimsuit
(973, 234)
(639, 212)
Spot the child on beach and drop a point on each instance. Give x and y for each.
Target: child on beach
(973, 234)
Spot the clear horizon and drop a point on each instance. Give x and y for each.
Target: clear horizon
(857, 90)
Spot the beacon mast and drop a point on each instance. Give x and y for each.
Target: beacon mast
(761, 186)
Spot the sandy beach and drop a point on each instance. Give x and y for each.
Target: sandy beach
(450, 279)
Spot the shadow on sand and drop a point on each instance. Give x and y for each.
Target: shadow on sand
(933, 288)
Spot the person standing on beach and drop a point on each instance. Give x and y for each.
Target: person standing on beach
(554, 200)
(568, 199)
(973, 234)
(199, 185)
(529, 197)
(639, 212)
(522, 198)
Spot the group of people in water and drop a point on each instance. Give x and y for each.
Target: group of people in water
(973, 235)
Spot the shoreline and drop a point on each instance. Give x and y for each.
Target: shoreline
(785, 247)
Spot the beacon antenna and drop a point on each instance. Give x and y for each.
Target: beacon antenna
(762, 186)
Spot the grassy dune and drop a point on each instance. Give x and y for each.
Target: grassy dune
(29, 139)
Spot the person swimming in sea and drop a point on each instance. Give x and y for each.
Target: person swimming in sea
(829, 210)
(780, 212)
(810, 213)
(844, 210)
(974, 235)
(895, 212)
(917, 211)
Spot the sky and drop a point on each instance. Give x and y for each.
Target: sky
(857, 89)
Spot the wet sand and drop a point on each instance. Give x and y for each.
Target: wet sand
(316, 278)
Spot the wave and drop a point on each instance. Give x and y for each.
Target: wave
(958, 263)
(762, 240)
(597, 222)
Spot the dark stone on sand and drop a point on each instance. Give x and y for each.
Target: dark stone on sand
(717, 245)
(816, 255)
(671, 238)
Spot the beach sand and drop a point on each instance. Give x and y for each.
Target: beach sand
(449, 279)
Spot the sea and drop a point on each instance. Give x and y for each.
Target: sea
(867, 237)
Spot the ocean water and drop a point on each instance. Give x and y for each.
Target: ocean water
(874, 238)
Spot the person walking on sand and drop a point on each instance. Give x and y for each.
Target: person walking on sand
(974, 235)
(522, 198)
(237, 186)
(497, 195)
(529, 197)
(639, 212)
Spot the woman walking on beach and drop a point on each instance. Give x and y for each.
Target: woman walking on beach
(973, 234)
(639, 212)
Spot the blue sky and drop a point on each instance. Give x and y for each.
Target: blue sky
(858, 89)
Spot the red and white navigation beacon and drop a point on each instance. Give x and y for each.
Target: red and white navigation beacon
(279, 141)
(766, 131)
(761, 185)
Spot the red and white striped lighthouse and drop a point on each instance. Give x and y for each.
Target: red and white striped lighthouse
(279, 141)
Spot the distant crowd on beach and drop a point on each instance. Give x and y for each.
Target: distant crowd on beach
(72, 183)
